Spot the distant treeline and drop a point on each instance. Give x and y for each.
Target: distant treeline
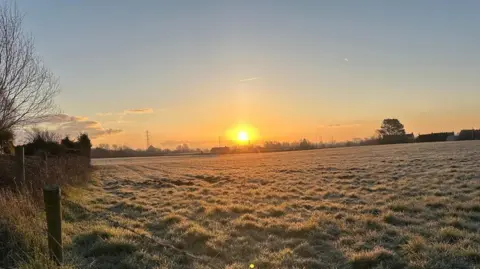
(421, 138)
(390, 132)
(117, 151)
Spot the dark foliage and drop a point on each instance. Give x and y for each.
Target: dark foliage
(38, 146)
(397, 139)
(67, 143)
(391, 127)
(43, 141)
(6, 135)
(305, 144)
(48, 142)
(84, 145)
(6, 141)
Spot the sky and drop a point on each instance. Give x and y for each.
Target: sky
(191, 71)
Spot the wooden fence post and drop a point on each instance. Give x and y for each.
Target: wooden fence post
(51, 197)
(45, 163)
(20, 161)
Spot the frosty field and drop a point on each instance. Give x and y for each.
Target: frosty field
(403, 206)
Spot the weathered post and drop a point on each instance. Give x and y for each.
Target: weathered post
(45, 163)
(51, 197)
(20, 162)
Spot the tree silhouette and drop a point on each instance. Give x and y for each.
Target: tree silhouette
(27, 87)
(153, 149)
(305, 144)
(85, 145)
(391, 127)
(69, 144)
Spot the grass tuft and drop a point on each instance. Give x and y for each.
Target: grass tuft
(91, 238)
(450, 234)
(397, 220)
(377, 256)
(112, 247)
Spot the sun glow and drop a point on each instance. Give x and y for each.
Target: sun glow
(242, 136)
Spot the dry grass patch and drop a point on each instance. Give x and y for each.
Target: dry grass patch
(376, 258)
(451, 234)
(368, 207)
(23, 240)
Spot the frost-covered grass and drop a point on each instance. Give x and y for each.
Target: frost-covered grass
(404, 206)
(23, 236)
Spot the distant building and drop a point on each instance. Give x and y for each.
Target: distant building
(469, 135)
(434, 137)
(220, 150)
(452, 138)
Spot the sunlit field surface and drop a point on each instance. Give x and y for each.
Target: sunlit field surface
(402, 206)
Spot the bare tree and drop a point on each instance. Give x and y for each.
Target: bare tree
(27, 87)
(37, 134)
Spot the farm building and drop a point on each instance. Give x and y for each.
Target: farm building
(220, 150)
(434, 137)
(469, 135)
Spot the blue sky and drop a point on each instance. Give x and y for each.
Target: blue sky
(290, 69)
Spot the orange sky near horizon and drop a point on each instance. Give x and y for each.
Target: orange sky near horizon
(207, 135)
(272, 111)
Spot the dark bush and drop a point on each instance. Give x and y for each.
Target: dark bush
(67, 143)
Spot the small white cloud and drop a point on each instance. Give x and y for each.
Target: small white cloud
(248, 79)
(346, 59)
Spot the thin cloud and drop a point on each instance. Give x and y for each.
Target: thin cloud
(127, 112)
(81, 118)
(340, 125)
(104, 114)
(61, 118)
(346, 59)
(344, 125)
(249, 79)
(72, 125)
(138, 111)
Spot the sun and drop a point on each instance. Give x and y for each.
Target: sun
(242, 136)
